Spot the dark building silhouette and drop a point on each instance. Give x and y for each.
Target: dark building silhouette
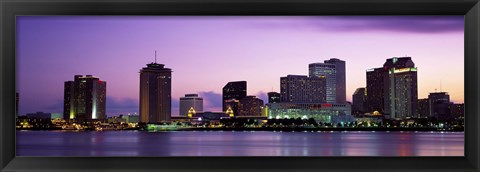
(400, 91)
(303, 89)
(439, 105)
(359, 101)
(273, 97)
(155, 93)
(250, 106)
(375, 87)
(232, 93)
(334, 72)
(85, 98)
(423, 108)
(457, 110)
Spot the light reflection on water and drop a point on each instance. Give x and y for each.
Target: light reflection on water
(227, 143)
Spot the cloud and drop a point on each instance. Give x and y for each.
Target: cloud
(116, 106)
(262, 95)
(211, 100)
(405, 24)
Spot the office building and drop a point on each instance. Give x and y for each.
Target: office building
(423, 108)
(273, 97)
(375, 87)
(359, 101)
(400, 91)
(334, 72)
(439, 105)
(85, 98)
(191, 102)
(250, 106)
(155, 93)
(303, 89)
(232, 93)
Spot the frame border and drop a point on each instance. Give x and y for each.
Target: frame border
(9, 9)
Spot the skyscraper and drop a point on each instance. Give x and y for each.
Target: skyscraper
(359, 100)
(250, 106)
(303, 89)
(190, 102)
(273, 97)
(375, 87)
(334, 71)
(155, 93)
(85, 98)
(401, 91)
(439, 105)
(233, 92)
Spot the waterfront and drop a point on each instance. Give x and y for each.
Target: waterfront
(239, 143)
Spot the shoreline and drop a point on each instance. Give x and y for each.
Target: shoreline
(273, 129)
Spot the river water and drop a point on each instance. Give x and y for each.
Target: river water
(235, 143)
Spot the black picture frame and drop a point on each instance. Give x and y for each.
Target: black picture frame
(11, 8)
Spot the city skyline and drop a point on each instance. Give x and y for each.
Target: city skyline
(189, 74)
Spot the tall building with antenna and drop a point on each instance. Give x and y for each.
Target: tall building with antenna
(155, 93)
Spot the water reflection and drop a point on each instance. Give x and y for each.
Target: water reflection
(226, 143)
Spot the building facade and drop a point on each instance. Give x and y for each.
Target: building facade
(439, 105)
(334, 72)
(85, 98)
(320, 112)
(232, 93)
(303, 89)
(375, 88)
(251, 106)
(457, 110)
(155, 93)
(423, 108)
(189, 102)
(359, 101)
(273, 97)
(401, 91)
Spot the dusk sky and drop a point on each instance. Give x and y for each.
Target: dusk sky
(207, 52)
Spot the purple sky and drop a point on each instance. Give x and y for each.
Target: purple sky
(207, 52)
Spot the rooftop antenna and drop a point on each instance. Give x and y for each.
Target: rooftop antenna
(155, 56)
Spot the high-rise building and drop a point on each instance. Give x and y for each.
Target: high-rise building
(250, 106)
(359, 101)
(401, 91)
(423, 108)
(232, 93)
(439, 105)
(155, 93)
(375, 87)
(85, 98)
(273, 97)
(334, 71)
(303, 89)
(191, 102)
